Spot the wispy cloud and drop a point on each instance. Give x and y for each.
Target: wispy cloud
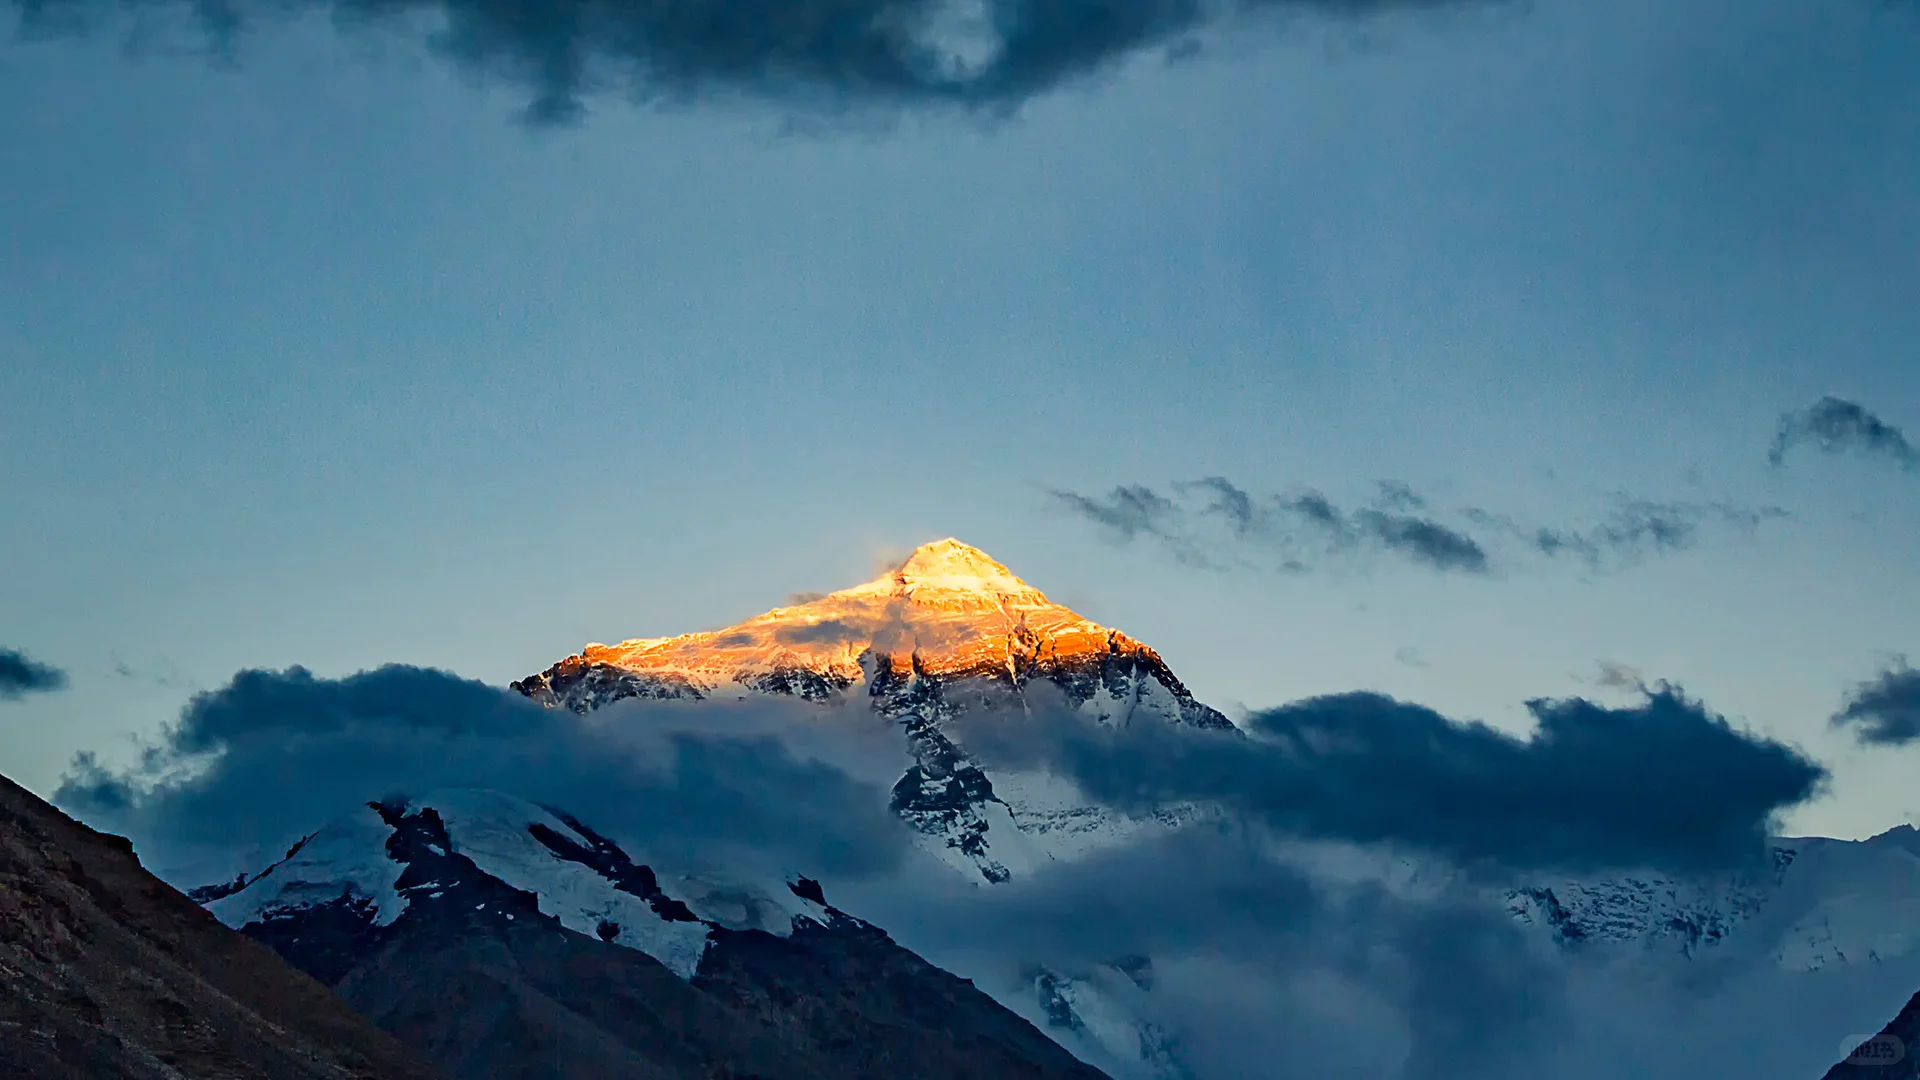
(1303, 528)
(21, 675)
(1630, 529)
(1837, 426)
(1214, 522)
(1884, 710)
(1615, 675)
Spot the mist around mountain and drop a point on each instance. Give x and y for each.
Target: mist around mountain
(1342, 887)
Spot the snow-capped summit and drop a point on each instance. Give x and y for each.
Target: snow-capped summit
(949, 611)
(948, 630)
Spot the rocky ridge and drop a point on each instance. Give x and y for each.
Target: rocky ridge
(108, 972)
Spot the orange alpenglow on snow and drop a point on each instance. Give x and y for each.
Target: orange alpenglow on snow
(950, 606)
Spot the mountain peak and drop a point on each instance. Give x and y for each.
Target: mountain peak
(949, 566)
(949, 607)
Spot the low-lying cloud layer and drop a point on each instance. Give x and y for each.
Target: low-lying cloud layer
(992, 54)
(21, 675)
(1213, 522)
(1664, 783)
(1260, 968)
(275, 754)
(1227, 935)
(1837, 426)
(1885, 710)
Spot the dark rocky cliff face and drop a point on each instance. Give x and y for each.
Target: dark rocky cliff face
(107, 972)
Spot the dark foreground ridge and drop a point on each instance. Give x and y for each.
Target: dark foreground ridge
(1894, 1054)
(106, 973)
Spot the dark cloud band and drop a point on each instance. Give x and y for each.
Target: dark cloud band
(1665, 783)
(990, 53)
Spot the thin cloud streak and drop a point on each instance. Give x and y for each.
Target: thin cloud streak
(1214, 523)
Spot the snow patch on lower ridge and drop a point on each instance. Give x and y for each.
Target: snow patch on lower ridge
(345, 861)
(583, 879)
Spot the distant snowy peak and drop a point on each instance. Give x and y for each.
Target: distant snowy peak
(949, 612)
(1819, 904)
(478, 855)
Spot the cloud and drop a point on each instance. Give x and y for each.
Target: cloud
(21, 675)
(1129, 510)
(1664, 783)
(1302, 528)
(1259, 961)
(825, 632)
(1837, 426)
(1261, 966)
(1615, 675)
(1631, 529)
(898, 628)
(1216, 524)
(886, 53)
(273, 754)
(1885, 710)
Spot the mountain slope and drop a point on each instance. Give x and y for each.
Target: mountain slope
(512, 942)
(950, 630)
(1821, 904)
(106, 972)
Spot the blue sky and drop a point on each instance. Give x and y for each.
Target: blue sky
(321, 357)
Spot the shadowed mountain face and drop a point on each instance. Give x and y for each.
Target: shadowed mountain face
(504, 941)
(107, 972)
(1894, 1054)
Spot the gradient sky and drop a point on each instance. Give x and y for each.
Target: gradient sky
(320, 357)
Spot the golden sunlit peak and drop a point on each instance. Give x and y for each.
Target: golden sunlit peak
(948, 607)
(949, 566)
(950, 558)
